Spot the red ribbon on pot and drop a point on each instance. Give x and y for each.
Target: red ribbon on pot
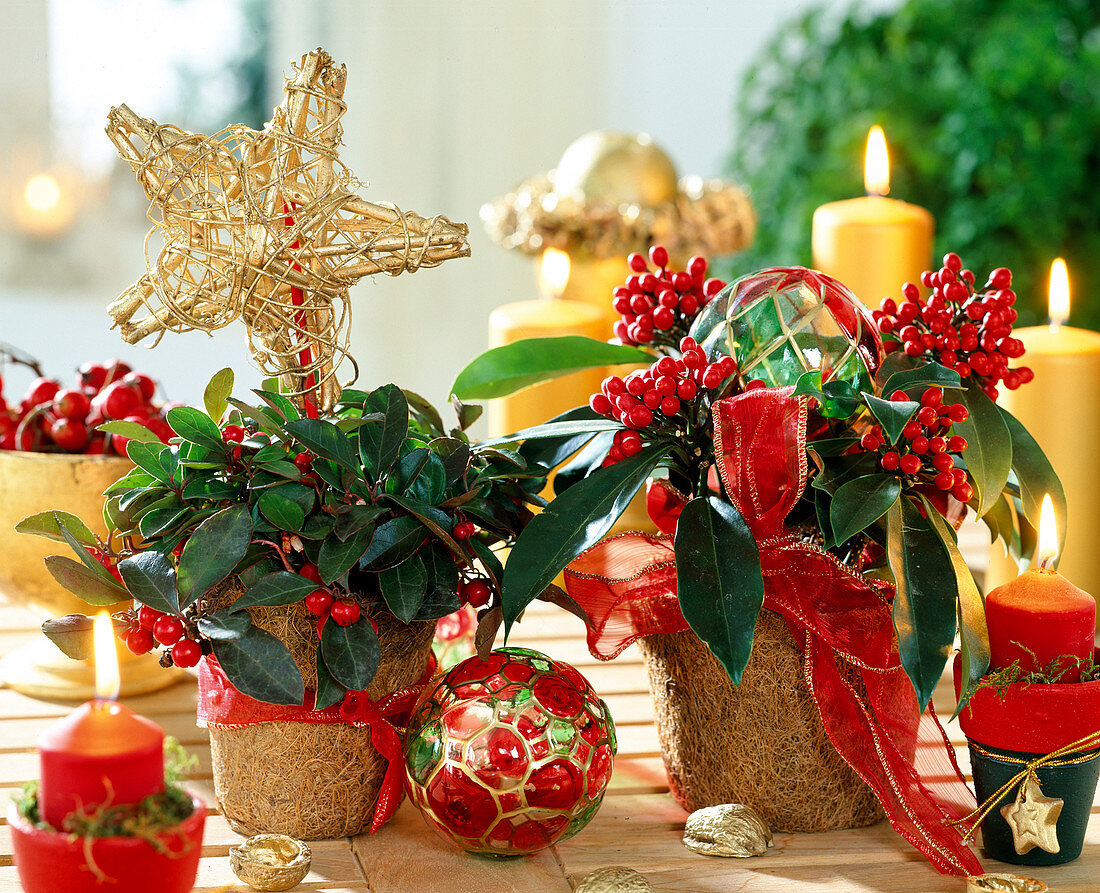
(627, 585)
(221, 706)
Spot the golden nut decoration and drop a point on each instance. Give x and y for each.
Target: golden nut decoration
(731, 830)
(270, 861)
(616, 879)
(1004, 883)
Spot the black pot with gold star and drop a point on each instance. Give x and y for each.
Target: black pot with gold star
(1035, 758)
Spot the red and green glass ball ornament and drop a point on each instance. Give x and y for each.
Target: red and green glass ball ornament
(782, 322)
(454, 637)
(508, 755)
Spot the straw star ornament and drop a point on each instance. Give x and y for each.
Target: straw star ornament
(266, 227)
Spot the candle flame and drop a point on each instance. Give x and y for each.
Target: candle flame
(553, 272)
(876, 163)
(107, 681)
(1058, 305)
(42, 192)
(1047, 550)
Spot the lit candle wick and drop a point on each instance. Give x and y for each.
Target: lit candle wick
(1058, 301)
(1046, 551)
(107, 681)
(876, 164)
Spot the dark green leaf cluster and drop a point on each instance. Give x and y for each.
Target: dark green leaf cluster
(371, 497)
(989, 107)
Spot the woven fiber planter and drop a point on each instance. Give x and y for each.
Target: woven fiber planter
(760, 743)
(308, 780)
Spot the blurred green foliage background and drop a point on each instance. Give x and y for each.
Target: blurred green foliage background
(992, 113)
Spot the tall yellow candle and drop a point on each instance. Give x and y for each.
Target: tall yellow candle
(873, 244)
(1061, 410)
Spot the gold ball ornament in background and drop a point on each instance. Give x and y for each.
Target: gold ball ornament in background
(626, 168)
(36, 482)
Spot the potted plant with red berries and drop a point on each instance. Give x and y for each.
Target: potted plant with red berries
(302, 562)
(56, 451)
(799, 608)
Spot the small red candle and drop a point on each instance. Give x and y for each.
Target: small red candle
(1040, 616)
(102, 752)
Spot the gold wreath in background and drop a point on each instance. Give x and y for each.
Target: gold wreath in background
(266, 226)
(614, 193)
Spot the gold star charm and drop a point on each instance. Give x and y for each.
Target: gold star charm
(1033, 818)
(266, 226)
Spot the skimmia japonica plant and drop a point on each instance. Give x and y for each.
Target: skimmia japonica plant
(379, 507)
(901, 440)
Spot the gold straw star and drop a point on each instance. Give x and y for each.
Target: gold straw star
(266, 226)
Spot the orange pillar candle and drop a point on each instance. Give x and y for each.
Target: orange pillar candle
(1061, 409)
(102, 752)
(1040, 616)
(873, 244)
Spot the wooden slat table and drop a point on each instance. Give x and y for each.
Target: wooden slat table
(639, 825)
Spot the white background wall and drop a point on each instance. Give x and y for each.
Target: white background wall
(450, 104)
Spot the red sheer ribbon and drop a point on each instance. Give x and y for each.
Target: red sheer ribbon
(627, 585)
(221, 706)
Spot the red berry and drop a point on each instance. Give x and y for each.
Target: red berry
(639, 417)
(71, 436)
(139, 641)
(145, 385)
(168, 630)
(345, 613)
(942, 462)
(630, 443)
(713, 377)
(945, 480)
(464, 530)
(932, 397)
(1000, 278)
(927, 415)
(958, 412)
(712, 286)
(670, 406)
(318, 602)
(956, 444)
(148, 616)
(233, 434)
(118, 400)
(909, 463)
(920, 445)
(952, 261)
(652, 399)
(687, 343)
(697, 267)
(869, 442)
(686, 389)
(310, 572)
(665, 366)
(476, 593)
(890, 461)
(637, 262)
(42, 390)
(658, 256)
(663, 319)
(304, 461)
(911, 430)
(613, 386)
(92, 376)
(186, 653)
(689, 304)
(72, 404)
(962, 492)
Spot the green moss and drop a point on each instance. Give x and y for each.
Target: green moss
(990, 109)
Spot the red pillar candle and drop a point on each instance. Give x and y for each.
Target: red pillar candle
(1040, 616)
(102, 752)
(1043, 613)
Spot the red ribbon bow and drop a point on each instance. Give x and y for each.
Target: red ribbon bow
(627, 585)
(221, 706)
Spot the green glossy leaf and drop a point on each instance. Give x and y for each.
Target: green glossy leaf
(351, 653)
(455, 456)
(158, 521)
(553, 429)
(441, 590)
(216, 396)
(430, 481)
(329, 691)
(923, 376)
(718, 579)
(859, 503)
(467, 413)
(202, 488)
(924, 599)
(393, 543)
(73, 634)
(550, 452)
(284, 408)
(404, 587)
(48, 525)
(147, 457)
(436, 520)
(580, 517)
(324, 439)
(255, 661)
(892, 416)
(197, 427)
(136, 477)
(355, 519)
(336, 557)
(425, 415)
(380, 443)
(1036, 477)
(151, 579)
(79, 580)
(93, 565)
(969, 611)
(505, 370)
(212, 552)
(131, 430)
(280, 511)
(264, 419)
(279, 588)
(988, 453)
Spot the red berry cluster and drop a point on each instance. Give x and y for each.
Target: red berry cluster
(50, 418)
(656, 396)
(658, 306)
(926, 446)
(150, 627)
(961, 327)
(321, 603)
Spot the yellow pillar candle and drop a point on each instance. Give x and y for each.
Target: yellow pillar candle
(1061, 410)
(543, 319)
(873, 244)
